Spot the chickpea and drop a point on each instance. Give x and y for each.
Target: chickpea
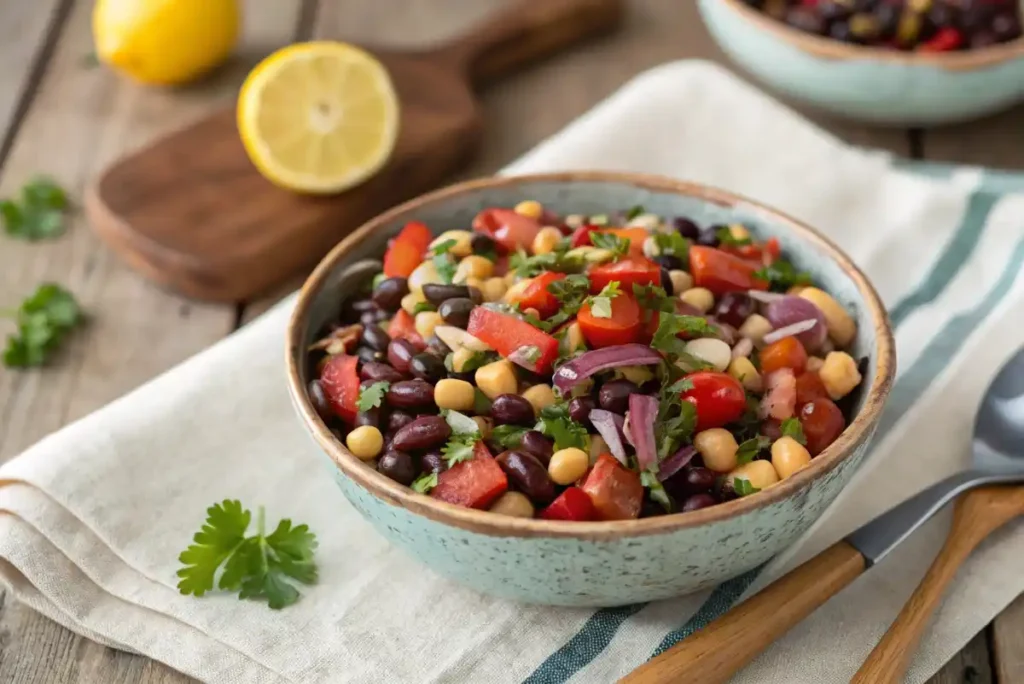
(493, 289)
(510, 279)
(484, 425)
(755, 328)
(743, 370)
(457, 395)
(718, 448)
(841, 326)
(699, 298)
(814, 364)
(715, 352)
(638, 375)
(545, 241)
(648, 221)
(568, 465)
(681, 281)
(789, 456)
(540, 397)
(496, 378)
(598, 256)
(365, 442)
(514, 504)
(422, 275)
(760, 474)
(462, 238)
(839, 374)
(410, 301)
(473, 266)
(426, 321)
(574, 221)
(530, 209)
(796, 290)
(478, 283)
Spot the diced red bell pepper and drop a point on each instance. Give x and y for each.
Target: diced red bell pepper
(507, 228)
(536, 295)
(475, 483)
(510, 336)
(635, 236)
(624, 326)
(721, 272)
(340, 381)
(632, 270)
(581, 236)
(944, 40)
(406, 251)
(403, 327)
(759, 254)
(572, 504)
(615, 492)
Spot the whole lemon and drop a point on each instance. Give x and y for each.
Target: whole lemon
(164, 42)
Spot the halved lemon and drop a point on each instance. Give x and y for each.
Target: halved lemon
(318, 117)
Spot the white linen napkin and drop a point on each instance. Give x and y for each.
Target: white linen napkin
(96, 514)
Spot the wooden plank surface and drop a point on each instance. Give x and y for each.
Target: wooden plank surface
(1008, 643)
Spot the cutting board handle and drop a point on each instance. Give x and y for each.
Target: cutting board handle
(526, 32)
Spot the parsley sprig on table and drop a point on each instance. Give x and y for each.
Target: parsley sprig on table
(44, 321)
(257, 566)
(39, 212)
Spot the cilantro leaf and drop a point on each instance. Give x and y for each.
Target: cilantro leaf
(725, 237)
(749, 449)
(672, 244)
(558, 261)
(424, 483)
(459, 447)
(257, 566)
(601, 303)
(372, 396)
(570, 292)
(39, 214)
(634, 211)
(654, 298)
(782, 275)
(556, 423)
(618, 246)
(44, 319)
(791, 427)
(444, 264)
(657, 491)
(742, 487)
(666, 337)
(509, 436)
(422, 306)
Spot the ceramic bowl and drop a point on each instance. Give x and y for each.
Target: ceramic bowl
(597, 563)
(864, 83)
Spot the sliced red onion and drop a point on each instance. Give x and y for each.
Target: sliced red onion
(609, 425)
(686, 309)
(579, 369)
(789, 310)
(743, 348)
(766, 297)
(791, 330)
(643, 411)
(676, 462)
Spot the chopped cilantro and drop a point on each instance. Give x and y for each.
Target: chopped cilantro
(443, 261)
(672, 244)
(509, 436)
(653, 298)
(782, 275)
(725, 237)
(742, 487)
(618, 246)
(634, 211)
(657, 492)
(570, 292)
(421, 307)
(791, 427)
(749, 449)
(39, 214)
(556, 423)
(670, 325)
(459, 447)
(531, 353)
(371, 397)
(676, 418)
(601, 304)
(424, 483)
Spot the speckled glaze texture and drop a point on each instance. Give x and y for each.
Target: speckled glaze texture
(876, 89)
(512, 560)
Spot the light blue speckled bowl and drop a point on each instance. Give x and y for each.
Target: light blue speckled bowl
(870, 84)
(602, 563)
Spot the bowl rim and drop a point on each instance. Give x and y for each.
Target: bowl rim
(483, 522)
(829, 48)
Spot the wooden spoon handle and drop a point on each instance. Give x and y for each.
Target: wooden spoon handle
(718, 651)
(527, 31)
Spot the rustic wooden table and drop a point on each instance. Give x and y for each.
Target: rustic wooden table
(63, 116)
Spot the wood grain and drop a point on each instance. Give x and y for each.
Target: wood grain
(1008, 643)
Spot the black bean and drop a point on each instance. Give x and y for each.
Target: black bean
(318, 398)
(428, 367)
(456, 311)
(437, 347)
(580, 408)
(482, 243)
(475, 295)
(367, 355)
(709, 236)
(398, 420)
(670, 262)
(400, 353)
(389, 292)
(371, 417)
(698, 501)
(614, 395)
(433, 462)
(422, 433)
(699, 480)
(398, 465)
(734, 308)
(1006, 27)
(538, 445)
(375, 338)
(528, 475)
(410, 394)
(687, 228)
(666, 282)
(378, 371)
(437, 293)
(512, 409)
(374, 316)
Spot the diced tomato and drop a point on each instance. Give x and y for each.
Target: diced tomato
(510, 336)
(507, 228)
(340, 380)
(822, 422)
(581, 236)
(945, 39)
(772, 251)
(719, 398)
(632, 270)
(475, 483)
(403, 327)
(406, 251)
(615, 492)
(809, 387)
(535, 295)
(721, 272)
(636, 237)
(623, 327)
(784, 353)
(572, 504)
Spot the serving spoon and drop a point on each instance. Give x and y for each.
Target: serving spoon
(718, 651)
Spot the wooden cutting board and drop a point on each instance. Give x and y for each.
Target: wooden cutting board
(191, 212)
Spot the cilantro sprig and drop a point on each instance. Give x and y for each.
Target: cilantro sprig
(258, 566)
(509, 436)
(782, 275)
(461, 443)
(791, 427)
(372, 396)
(749, 449)
(672, 244)
(44, 320)
(743, 487)
(618, 246)
(726, 238)
(559, 261)
(39, 212)
(570, 292)
(601, 303)
(556, 424)
(444, 264)
(676, 418)
(670, 326)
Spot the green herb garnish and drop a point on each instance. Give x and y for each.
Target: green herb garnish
(39, 214)
(657, 491)
(782, 275)
(371, 396)
(44, 321)
(791, 427)
(725, 237)
(424, 483)
(653, 298)
(634, 211)
(556, 424)
(509, 436)
(558, 261)
(672, 244)
(459, 447)
(444, 264)
(749, 449)
(671, 325)
(571, 292)
(257, 566)
(601, 303)
(481, 403)
(676, 418)
(742, 487)
(618, 246)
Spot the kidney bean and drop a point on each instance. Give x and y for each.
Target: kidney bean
(319, 401)
(389, 292)
(410, 394)
(614, 395)
(456, 311)
(422, 433)
(367, 355)
(371, 417)
(375, 338)
(400, 353)
(356, 308)
(378, 371)
(398, 465)
(580, 408)
(482, 243)
(398, 420)
(436, 347)
(433, 462)
(374, 316)
(537, 444)
(475, 295)
(437, 293)
(528, 475)
(428, 367)
(512, 409)
(698, 501)
(734, 308)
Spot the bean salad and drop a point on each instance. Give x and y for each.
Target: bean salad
(916, 25)
(586, 367)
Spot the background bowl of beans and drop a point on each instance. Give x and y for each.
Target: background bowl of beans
(610, 562)
(893, 62)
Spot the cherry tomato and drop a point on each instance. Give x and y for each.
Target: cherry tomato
(721, 272)
(623, 327)
(405, 252)
(822, 421)
(507, 228)
(809, 387)
(615, 492)
(785, 353)
(719, 398)
(572, 504)
(340, 381)
(536, 295)
(628, 271)
(581, 236)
